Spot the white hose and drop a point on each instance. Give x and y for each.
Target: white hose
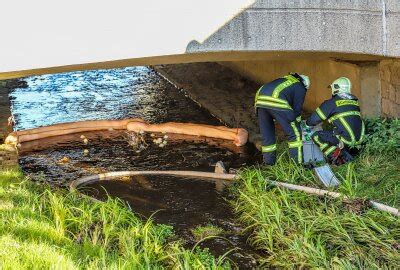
(322, 192)
(227, 177)
(109, 176)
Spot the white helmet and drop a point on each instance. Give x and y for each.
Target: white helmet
(341, 85)
(306, 80)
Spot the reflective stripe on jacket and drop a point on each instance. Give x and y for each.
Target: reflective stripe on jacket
(286, 93)
(343, 111)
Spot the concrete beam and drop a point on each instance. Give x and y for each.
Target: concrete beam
(44, 34)
(340, 26)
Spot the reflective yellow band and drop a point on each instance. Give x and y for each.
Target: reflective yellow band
(268, 148)
(295, 144)
(330, 150)
(362, 132)
(349, 143)
(296, 131)
(320, 114)
(346, 102)
(321, 145)
(257, 94)
(289, 81)
(348, 128)
(272, 99)
(261, 103)
(298, 139)
(344, 114)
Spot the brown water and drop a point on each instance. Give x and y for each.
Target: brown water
(184, 203)
(125, 93)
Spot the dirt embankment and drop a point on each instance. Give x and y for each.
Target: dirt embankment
(224, 93)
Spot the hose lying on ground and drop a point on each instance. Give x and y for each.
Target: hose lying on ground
(226, 177)
(109, 176)
(237, 135)
(322, 193)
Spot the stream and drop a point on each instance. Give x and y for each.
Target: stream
(134, 92)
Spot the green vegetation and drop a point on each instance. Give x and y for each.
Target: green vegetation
(383, 135)
(44, 228)
(296, 229)
(202, 232)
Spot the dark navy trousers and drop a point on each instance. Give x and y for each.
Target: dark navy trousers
(326, 140)
(291, 128)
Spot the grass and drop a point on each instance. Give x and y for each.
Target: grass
(299, 230)
(45, 228)
(202, 232)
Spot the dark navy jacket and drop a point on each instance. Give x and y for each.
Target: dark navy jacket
(287, 94)
(343, 111)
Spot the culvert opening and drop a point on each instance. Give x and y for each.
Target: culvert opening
(119, 94)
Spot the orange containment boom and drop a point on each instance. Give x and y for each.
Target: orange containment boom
(238, 135)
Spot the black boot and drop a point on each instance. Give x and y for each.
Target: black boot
(346, 156)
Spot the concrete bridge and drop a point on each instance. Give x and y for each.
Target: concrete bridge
(259, 39)
(43, 34)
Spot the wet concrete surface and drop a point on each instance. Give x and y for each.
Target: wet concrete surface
(220, 90)
(126, 93)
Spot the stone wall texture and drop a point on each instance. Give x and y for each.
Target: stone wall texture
(390, 87)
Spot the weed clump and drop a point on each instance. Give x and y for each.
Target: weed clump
(202, 232)
(44, 228)
(382, 135)
(296, 229)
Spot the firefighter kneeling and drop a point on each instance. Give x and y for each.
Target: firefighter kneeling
(343, 111)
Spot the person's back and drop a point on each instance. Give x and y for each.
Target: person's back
(343, 111)
(286, 93)
(281, 100)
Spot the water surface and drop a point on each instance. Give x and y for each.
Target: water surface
(136, 92)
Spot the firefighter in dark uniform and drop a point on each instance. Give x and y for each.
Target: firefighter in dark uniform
(343, 111)
(281, 100)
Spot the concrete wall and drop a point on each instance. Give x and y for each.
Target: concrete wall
(362, 26)
(46, 33)
(370, 87)
(5, 111)
(390, 87)
(321, 73)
